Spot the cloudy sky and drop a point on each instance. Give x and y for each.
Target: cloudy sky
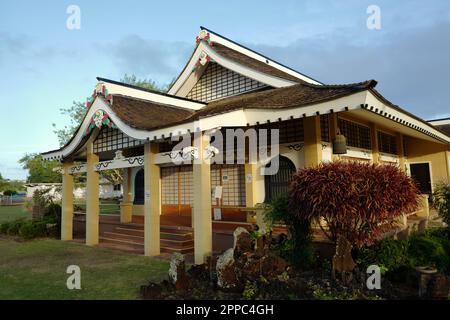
(44, 66)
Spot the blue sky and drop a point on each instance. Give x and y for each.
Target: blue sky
(45, 66)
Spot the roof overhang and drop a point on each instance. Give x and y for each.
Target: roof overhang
(364, 103)
(118, 88)
(440, 122)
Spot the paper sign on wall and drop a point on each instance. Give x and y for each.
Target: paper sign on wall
(248, 178)
(147, 195)
(217, 214)
(218, 192)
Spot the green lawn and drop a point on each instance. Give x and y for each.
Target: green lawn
(37, 270)
(106, 206)
(10, 213)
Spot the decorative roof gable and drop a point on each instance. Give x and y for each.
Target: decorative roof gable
(218, 82)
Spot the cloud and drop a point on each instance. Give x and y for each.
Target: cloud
(158, 60)
(23, 51)
(412, 65)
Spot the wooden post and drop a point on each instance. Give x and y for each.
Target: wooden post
(152, 203)
(92, 197)
(312, 137)
(67, 203)
(202, 221)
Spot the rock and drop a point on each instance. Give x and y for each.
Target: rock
(226, 276)
(342, 260)
(440, 287)
(243, 242)
(199, 272)
(151, 291)
(273, 265)
(177, 272)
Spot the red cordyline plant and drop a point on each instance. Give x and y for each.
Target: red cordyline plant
(358, 201)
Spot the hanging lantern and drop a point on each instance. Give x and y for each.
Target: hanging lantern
(339, 144)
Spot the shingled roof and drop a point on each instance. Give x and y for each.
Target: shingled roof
(444, 128)
(146, 115)
(249, 62)
(284, 98)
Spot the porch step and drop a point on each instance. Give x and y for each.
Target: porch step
(131, 237)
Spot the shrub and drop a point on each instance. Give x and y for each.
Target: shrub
(430, 249)
(298, 246)
(441, 200)
(388, 253)
(33, 229)
(14, 227)
(358, 201)
(4, 228)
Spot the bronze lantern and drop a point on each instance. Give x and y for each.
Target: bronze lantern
(339, 144)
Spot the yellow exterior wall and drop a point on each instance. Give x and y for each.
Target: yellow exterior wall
(436, 154)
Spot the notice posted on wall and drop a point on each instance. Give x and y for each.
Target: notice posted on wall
(217, 214)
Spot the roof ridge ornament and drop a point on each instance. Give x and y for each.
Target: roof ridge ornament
(98, 120)
(99, 91)
(202, 61)
(204, 35)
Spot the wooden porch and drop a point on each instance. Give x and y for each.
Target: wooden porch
(176, 233)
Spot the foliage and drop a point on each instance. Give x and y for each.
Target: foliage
(76, 114)
(359, 201)
(43, 197)
(148, 84)
(40, 171)
(9, 192)
(298, 246)
(431, 248)
(13, 185)
(33, 229)
(250, 290)
(441, 200)
(12, 228)
(388, 254)
(78, 110)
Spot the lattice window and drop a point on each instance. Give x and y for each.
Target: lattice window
(232, 180)
(113, 139)
(186, 185)
(387, 143)
(290, 130)
(219, 82)
(357, 135)
(169, 185)
(325, 127)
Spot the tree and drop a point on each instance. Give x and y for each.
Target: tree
(39, 170)
(359, 201)
(78, 110)
(441, 200)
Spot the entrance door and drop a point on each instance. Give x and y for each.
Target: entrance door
(420, 172)
(278, 184)
(139, 187)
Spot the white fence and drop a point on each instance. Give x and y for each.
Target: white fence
(11, 200)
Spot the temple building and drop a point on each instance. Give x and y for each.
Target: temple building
(183, 199)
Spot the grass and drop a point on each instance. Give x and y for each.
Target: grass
(106, 206)
(10, 213)
(37, 270)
